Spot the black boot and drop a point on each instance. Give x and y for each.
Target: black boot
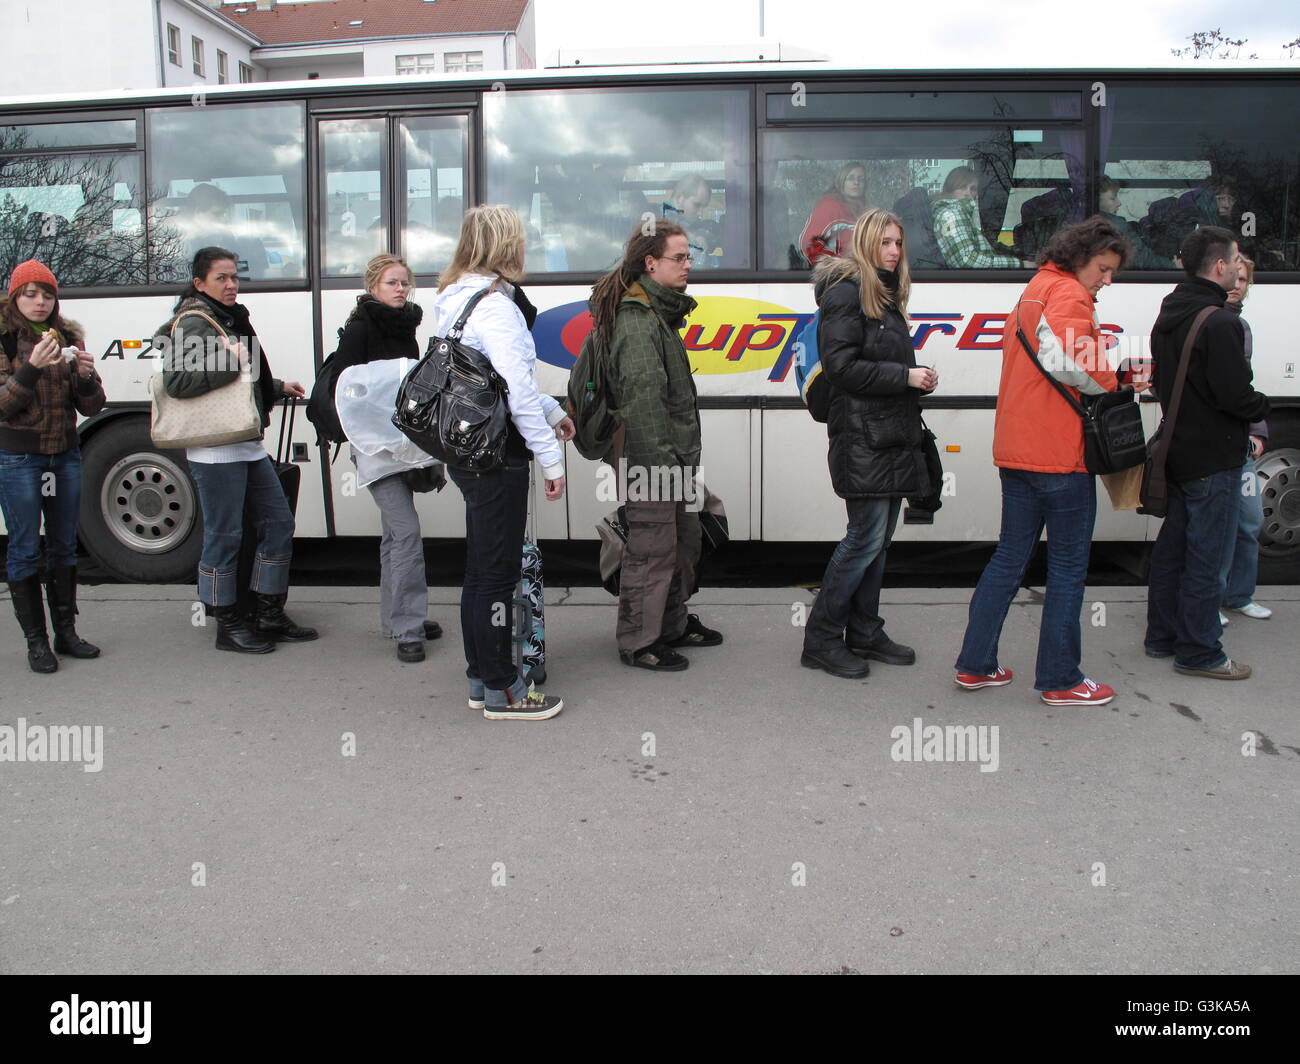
(271, 622)
(233, 633)
(30, 611)
(61, 590)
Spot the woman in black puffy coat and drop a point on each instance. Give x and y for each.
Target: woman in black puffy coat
(877, 453)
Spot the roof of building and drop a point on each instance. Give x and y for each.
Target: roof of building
(353, 20)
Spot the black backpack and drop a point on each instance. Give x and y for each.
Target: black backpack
(321, 410)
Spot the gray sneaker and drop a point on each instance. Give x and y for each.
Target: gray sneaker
(1229, 670)
(533, 706)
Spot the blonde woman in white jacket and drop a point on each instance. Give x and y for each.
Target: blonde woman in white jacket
(491, 253)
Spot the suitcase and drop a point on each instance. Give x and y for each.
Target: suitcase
(290, 477)
(528, 634)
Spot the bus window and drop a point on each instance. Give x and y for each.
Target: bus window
(77, 213)
(354, 218)
(585, 167)
(969, 198)
(228, 176)
(1179, 157)
(435, 153)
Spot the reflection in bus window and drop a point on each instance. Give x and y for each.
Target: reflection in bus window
(79, 214)
(1185, 157)
(583, 168)
(233, 176)
(435, 154)
(354, 225)
(905, 171)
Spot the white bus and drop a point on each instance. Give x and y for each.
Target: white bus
(309, 180)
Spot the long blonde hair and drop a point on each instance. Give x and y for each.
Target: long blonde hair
(379, 265)
(491, 242)
(862, 262)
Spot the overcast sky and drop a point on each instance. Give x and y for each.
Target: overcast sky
(929, 33)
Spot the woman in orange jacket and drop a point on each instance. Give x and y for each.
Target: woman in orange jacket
(1038, 447)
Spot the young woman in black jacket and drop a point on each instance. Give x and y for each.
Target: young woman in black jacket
(877, 454)
(382, 325)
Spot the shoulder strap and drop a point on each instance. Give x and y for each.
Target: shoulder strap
(454, 333)
(1165, 440)
(10, 344)
(197, 313)
(1024, 342)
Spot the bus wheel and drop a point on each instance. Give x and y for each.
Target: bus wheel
(1279, 474)
(139, 508)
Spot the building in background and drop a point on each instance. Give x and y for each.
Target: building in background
(142, 44)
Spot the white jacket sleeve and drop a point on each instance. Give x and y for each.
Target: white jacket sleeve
(497, 329)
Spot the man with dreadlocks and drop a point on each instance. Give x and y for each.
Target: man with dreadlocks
(638, 308)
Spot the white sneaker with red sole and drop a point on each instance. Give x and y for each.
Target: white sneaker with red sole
(1086, 694)
(973, 681)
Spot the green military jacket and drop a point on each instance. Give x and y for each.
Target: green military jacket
(650, 378)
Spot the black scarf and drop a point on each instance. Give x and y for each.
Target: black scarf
(400, 322)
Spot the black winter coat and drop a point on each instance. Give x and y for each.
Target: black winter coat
(376, 331)
(1218, 402)
(876, 439)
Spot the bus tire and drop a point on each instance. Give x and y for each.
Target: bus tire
(140, 516)
(1279, 475)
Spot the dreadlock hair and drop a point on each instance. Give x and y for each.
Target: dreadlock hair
(648, 238)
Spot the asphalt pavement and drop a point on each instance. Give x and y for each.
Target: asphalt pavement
(327, 809)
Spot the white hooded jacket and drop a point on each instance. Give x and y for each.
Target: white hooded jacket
(497, 329)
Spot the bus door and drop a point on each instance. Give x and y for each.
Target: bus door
(395, 182)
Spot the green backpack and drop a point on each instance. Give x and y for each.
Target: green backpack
(595, 420)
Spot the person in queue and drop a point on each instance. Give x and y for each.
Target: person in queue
(829, 229)
(235, 476)
(490, 254)
(1038, 447)
(637, 309)
(876, 451)
(1241, 571)
(43, 387)
(957, 226)
(382, 325)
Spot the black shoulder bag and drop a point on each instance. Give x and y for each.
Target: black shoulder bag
(1113, 439)
(452, 404)
(1154, 493)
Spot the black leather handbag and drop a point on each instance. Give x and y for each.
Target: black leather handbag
(452, 404)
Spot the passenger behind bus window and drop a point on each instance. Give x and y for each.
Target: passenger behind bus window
(1143, 257)
(957, 226)
(829, 229)
(688, 206)
(205, 221)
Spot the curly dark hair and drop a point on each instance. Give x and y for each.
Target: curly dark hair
(1074, 247)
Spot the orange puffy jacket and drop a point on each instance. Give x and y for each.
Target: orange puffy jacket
(1035, 428)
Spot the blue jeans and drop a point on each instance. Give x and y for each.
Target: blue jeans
(32, 485)
(849, 600)
(225, 489)
(496, 511)
(1066, 505)
(1188, 564)
(1242, 568)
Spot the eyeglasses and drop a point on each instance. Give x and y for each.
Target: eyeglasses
(399, 284)
(678, 258)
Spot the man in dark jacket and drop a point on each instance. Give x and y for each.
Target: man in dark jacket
(1208, 446)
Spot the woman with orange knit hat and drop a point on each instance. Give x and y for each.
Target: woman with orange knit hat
(44, 385)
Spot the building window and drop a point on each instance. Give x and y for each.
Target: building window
(196, 45)
(245, 73)
(223, 67)
(463, 62)
(174, 44)
(417, 64)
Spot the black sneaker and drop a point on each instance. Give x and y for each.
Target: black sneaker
(413, 651)
(836, 660)
(695, 635)
(432, 630)
(886, 650)
(658, 657)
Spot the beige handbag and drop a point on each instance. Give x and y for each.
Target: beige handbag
(224, 415)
